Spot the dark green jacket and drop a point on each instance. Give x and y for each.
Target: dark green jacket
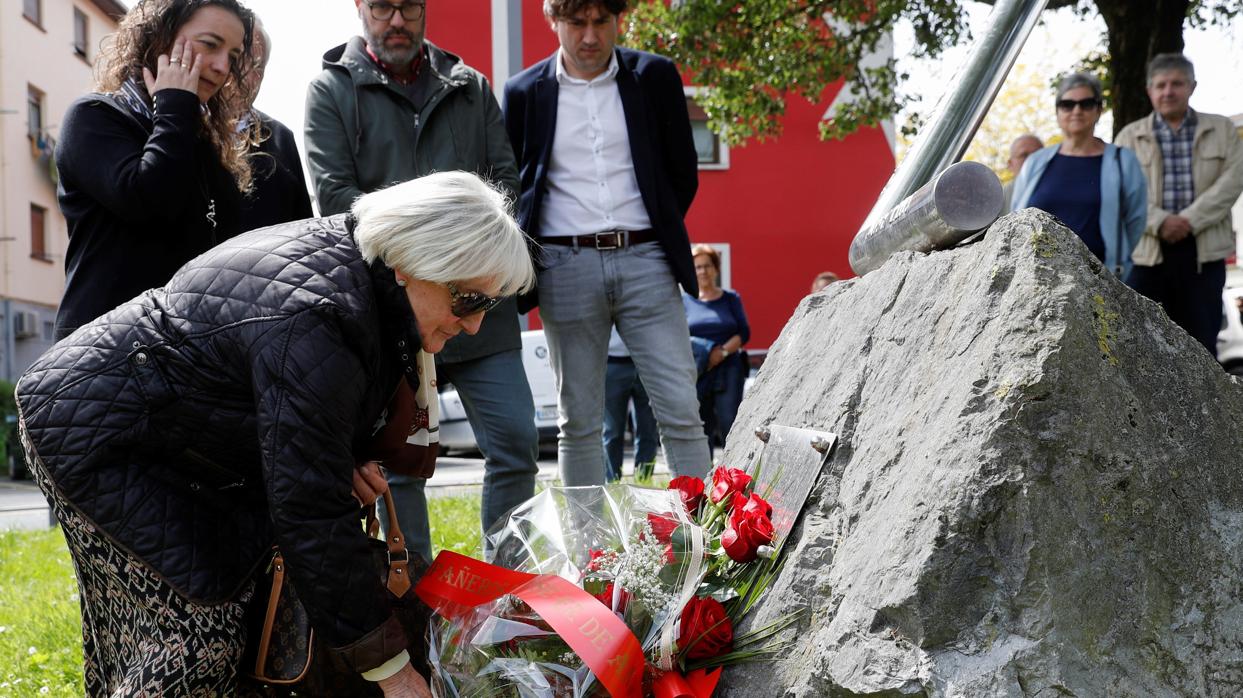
(363, 133)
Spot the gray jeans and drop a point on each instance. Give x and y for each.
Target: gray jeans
(583, 292)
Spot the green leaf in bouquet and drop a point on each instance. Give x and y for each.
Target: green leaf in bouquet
(638, 617)
(718, 588)
(761, 634)
(751, 581)
(595, 584)
(547, 650)
(680, 539)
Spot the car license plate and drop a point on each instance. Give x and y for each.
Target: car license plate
(546, 412)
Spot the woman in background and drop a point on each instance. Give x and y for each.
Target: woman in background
(151, 166)
(1097, 189)
(719, 328)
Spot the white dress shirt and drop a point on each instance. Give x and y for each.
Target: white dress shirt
(591, 182)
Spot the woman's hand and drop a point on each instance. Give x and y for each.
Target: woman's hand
(179, 70)
(405, 684)
(716, 356)
(369, 483)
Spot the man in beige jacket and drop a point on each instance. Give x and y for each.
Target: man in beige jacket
(1194, 165)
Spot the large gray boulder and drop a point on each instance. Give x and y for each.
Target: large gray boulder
(1036, 492)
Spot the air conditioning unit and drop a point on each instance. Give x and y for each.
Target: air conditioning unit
(25, 324)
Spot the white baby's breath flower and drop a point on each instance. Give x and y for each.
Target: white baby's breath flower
(32, 650)
(44, 691)
(637, 568)
(765, 551)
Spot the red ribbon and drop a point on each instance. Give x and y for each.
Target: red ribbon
(455, 584)
(697, 684)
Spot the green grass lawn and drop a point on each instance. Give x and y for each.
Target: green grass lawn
(40, 622)
(40, 629)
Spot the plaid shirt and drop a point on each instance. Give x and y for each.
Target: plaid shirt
(1177, 188)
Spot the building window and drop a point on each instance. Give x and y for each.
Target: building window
(80, 34)
(33, 11)
(38, 233)
(34, 112)
(713, 154)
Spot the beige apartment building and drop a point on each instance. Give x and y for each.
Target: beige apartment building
(47, 48)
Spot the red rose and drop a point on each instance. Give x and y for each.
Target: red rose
(727, 481)
(745, 533)
(754, 504)
(691, 489)
(663, 526)
(705, 630)
(606, 597)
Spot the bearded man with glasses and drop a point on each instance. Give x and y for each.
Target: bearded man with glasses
(391, 106)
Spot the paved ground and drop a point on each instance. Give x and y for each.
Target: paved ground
(22, 505)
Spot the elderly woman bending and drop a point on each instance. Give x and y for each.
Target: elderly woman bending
(181, 434)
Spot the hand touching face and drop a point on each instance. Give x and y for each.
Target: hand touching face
(203, 54)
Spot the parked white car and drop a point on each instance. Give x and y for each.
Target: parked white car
(1230, 339)
(455, 431)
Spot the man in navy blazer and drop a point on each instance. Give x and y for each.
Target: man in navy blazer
(608, 170)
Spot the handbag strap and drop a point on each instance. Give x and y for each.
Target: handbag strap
(269, 616)
(398, 555)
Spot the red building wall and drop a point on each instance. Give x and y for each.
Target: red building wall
(788, 207)
(464, 27)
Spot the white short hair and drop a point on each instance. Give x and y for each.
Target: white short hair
(448, 226)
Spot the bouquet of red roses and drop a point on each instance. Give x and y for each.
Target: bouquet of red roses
(613, 590)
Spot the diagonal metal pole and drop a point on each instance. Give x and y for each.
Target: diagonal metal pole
(949, 133)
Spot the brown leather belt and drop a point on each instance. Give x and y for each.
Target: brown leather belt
(606, 240)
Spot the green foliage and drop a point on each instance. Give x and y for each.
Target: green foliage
(752, 57)
(8, 403)
(8, 406)
(1095, 64)
(1205, 13)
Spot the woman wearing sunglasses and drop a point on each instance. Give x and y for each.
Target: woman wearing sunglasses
(1095, 188)
(180, 435)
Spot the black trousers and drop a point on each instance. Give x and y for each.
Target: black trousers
(1191, 296)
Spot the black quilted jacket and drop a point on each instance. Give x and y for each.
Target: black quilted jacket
(200, 421)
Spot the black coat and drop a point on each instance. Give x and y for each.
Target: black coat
(661, 147)
(205, 419)
(279, 187)
(137, 196)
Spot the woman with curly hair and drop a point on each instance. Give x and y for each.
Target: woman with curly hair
(152, 168)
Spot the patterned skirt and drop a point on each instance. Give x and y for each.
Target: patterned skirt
(139, 636)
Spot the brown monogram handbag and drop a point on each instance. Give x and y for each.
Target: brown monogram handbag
(283, 656)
